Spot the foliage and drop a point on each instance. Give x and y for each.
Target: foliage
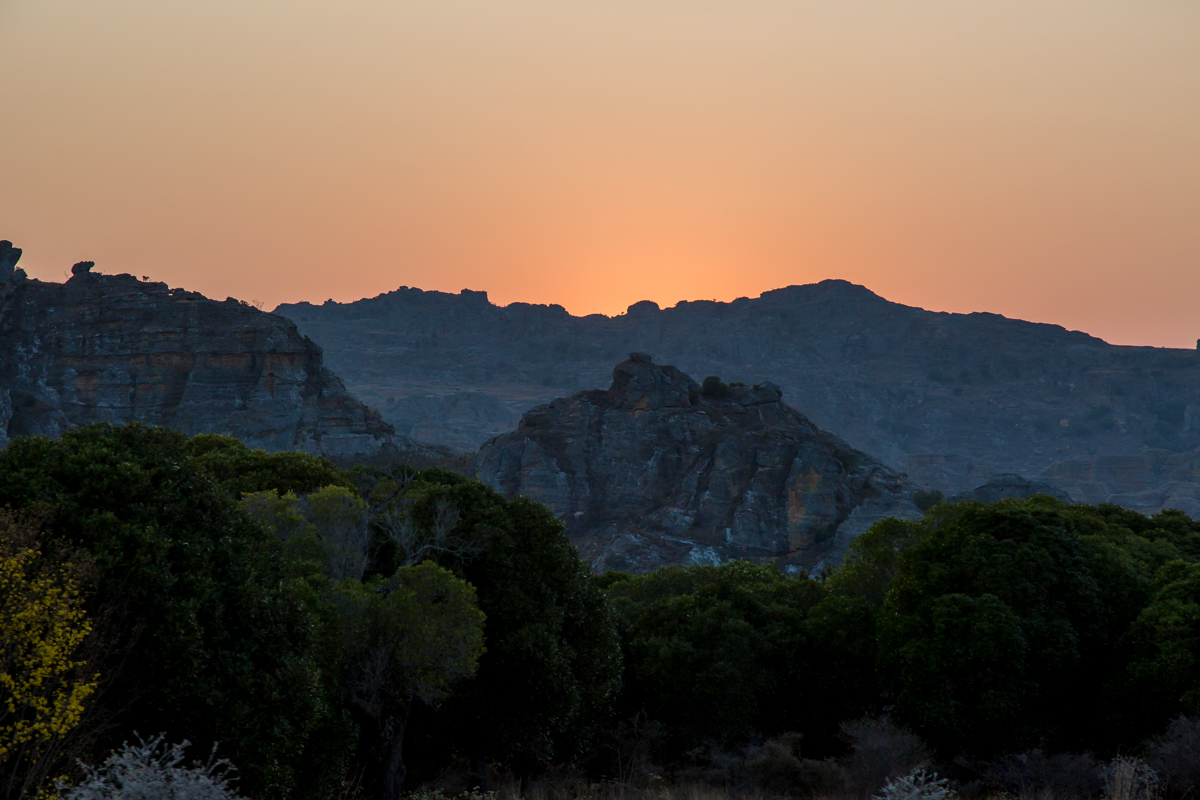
(240, 469)
(713, 386)
(927, 499)
(1175, 756)
(1164, 673)
(917, 785)
(714, 653)
(552, 663)
(44, 685)
(216, 631)
(154, 770)
(405, 638)
(998, 627)
(331, 525)
(1128, 778)
(879, 752)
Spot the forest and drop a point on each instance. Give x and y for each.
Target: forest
(189, 617)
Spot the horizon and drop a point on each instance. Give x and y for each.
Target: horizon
(1033, 159)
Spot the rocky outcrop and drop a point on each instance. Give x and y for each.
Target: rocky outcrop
(1149, 481)
(111, 348)
(654, 470)
(952, 399)
(1004, 486)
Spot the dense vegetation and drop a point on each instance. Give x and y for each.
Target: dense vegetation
(328, 627)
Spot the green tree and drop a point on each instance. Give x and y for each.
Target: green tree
(1164, 672)
(240, 469)
(552, 664)
(716, 654)
(404, 639)
(1000, 622)
(216, 631)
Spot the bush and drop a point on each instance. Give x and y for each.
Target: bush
(880, 752)
(1130, 779)
(154, 770)
(1175, 756)
(927, 499)
(917, 785)
(1035, 774)
(713, 386)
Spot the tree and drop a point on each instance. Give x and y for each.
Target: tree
(552, 664)
(717, 654)
(1000, 625)
(404, 639)
(1164, 673)
(45, 683)
(240, 469)
(216, 630)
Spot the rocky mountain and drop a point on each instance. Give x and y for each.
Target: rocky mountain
(952, 399)
(658, 470)
(112, 348)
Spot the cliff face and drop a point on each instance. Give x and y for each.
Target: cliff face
(654, 471)
(952, 399)
(111, 348)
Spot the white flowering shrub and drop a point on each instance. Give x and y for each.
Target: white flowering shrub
(917, 785)
(153, 770)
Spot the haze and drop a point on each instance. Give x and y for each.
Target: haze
(1035, 159)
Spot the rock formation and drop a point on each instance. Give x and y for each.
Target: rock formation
(1003, 486)
(655, 470)
(952, 399)
(111, 348)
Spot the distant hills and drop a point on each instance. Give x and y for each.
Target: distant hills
(953, 399)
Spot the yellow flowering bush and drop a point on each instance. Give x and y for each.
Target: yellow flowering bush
(42, 626)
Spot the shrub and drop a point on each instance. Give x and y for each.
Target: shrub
(1130, 779)
(1035, 774)
(926, 499)
(917, 785)
(154, 770)
(880, 752)
(1175, 756)
(713, 386)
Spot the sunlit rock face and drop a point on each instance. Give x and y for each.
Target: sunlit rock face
(655, 471)
(111, 348)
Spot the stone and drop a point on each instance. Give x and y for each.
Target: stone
(113, 349)
(652, 472)
(9, 256)
(1004, 486)
(82, 267)
(952, 399)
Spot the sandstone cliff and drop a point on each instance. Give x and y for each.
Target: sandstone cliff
(952, 399)
(111, 348)
(655, 471)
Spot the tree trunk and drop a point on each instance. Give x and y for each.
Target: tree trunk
(479, 770)
(391, 755)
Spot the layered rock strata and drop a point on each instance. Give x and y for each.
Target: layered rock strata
(111, 348)
(655, 471)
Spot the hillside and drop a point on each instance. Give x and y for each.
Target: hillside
(953, 399)
(112, 348)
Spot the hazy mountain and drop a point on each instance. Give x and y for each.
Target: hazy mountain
(953, 399)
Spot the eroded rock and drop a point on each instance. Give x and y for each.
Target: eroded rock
(111, 348)
(652, 471)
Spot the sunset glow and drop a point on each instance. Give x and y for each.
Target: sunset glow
(1035, 159)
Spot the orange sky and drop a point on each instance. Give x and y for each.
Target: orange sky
(1035, 158)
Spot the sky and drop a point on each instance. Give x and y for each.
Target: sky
(1034, 158)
